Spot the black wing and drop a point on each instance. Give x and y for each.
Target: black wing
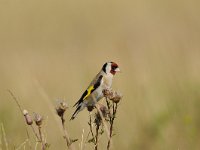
(89, 91)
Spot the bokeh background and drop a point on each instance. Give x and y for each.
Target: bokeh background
(52, 49)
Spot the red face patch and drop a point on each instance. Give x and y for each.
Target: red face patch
(113, 67)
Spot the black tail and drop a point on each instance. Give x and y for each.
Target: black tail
(78, 102)
(75, 113)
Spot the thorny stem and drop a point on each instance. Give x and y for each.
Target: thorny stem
(41, 139)
(112, 118)
(66, 136)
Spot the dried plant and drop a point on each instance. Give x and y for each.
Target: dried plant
(29, 121)
(60, 109)
(21, 110)
(104, 114)
(38, 121)
(96, 121)
(28, 118)
(100, 115)
(103, 119)
(99, 121)
(112, 106)
(4, 137)
(22, 145)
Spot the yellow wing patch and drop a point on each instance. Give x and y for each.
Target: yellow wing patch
(89, 90)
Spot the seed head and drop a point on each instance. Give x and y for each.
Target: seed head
(90, 108)
(38, 119)
(28, 118)
(61, 108)
(104, 112)
(116, 98)
(112, 95)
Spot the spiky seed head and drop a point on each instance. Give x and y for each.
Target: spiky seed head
(61, 108)
(112, 95)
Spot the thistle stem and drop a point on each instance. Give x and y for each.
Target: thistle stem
(66, 136)
(90, 124)
(41, 139)
(97, 136)
(112, 118)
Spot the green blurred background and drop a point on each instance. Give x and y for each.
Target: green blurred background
(52, 49)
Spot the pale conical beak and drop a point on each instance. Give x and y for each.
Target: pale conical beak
(117, 70)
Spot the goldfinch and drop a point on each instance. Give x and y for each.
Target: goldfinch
(94, 92)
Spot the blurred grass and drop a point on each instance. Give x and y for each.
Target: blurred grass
(52, 49)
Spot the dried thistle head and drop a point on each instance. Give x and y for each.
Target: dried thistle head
(38, 119)
(112, 95)
(98, 119)
(28, 118)
(90, 108)
(104, 111)
(61, 108)
(107, 92)
(117, 97)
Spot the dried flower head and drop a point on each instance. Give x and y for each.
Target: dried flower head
(61, 108)
(98, 119)
(112, 95)
(28, 118)
(104, 112)
(90, 108)
(38, 119)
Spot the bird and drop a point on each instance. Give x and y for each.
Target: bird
(94, 92)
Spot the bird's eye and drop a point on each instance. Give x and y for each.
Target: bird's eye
(114, 67)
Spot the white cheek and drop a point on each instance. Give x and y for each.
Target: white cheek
(108, 68)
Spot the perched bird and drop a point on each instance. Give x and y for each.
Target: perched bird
(94, 92)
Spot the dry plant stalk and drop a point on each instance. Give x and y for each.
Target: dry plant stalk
(21, 110)
(21, 145)
(29, 121)
(100, 115)
(60, 109)
(95, 136)
(82, 137)
(112, 106)
(38, 121)
(90, 123)
(104, 114)
(99, 120)
(4, 136)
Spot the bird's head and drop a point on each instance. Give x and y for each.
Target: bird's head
(110, 67)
